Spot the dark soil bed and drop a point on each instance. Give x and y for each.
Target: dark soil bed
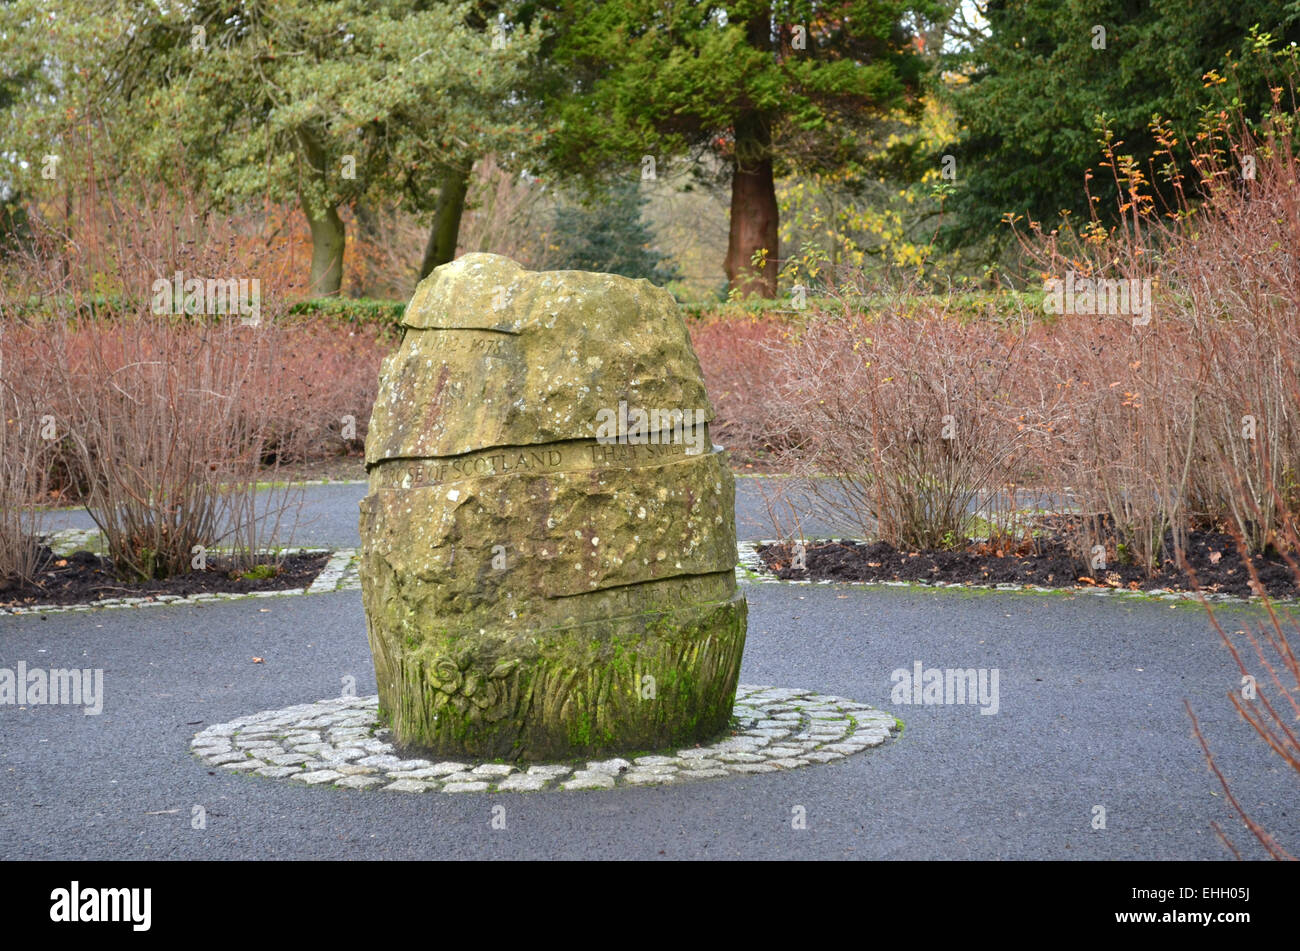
(83, 577)
(1050, 562)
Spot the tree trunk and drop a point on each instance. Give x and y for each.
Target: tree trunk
(327, 240)
(754, 215)
(445, 233)
(327, 234)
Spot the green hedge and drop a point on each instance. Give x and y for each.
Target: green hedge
(963, 306)
(39, 308)
(387, 314)
(361, 310)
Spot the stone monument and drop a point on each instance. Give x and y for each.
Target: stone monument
(548, 542)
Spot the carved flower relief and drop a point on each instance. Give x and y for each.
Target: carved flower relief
(445, 678)
(469, 690)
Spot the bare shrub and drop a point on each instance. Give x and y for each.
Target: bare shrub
(1240, 287)
(26, 445)
(740, 357)
(1127, 447)
(316, 395)
(1267, 699)
(1172, 412)
(905, 427)
(153, 404)
(154, 412)
(502, 213)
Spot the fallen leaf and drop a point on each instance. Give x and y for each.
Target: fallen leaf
(257, 660)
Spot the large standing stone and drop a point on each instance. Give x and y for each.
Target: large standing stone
(532, 590)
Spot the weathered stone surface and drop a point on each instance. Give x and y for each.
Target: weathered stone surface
(465, 787)
(521, 782)
(700, 763)
(587, 779)
(222, 759)
(358, 782)
(524, 579)
(558, 346)
(639, 777)
(318, 776)
(649, 761)
(612, 766)
(408, 785)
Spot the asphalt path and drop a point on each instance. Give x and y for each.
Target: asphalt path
(766, 507)
(1090, 715)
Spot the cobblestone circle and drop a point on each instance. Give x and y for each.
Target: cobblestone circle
(339, 742)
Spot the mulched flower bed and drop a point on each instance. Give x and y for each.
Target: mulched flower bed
(84, 577)
(1050, 563)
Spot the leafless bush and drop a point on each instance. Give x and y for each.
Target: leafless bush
(1241, 298)
(1127, 446)
(25, 449)
(156, 419)
(1268, 696)
(315, 393)
(741, 358)
(151, 404)
(905, 425)
(1175, 409)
